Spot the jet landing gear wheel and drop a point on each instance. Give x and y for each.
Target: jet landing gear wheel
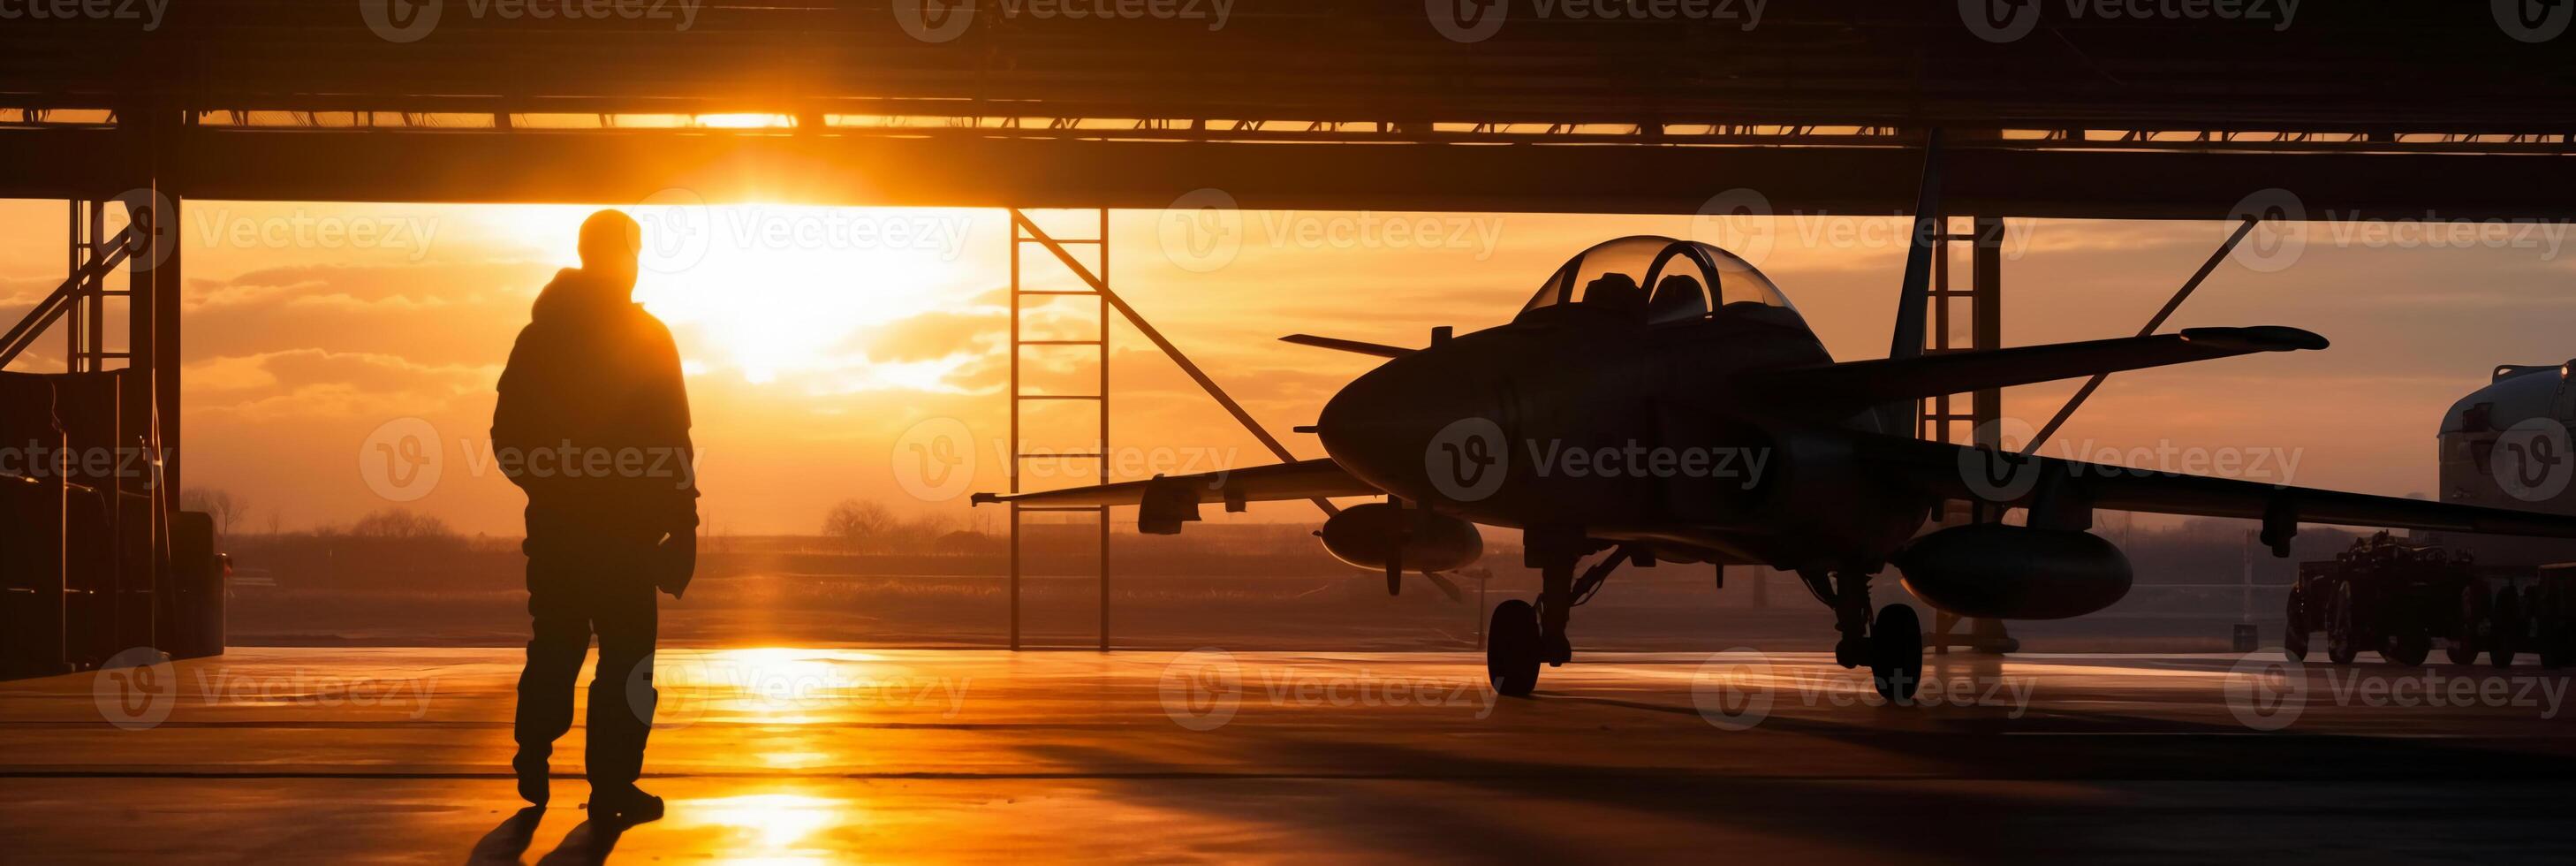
(2473, 633)
(1512, 649)
(2295, 627)
(1896, 654)
(2504, 628)
(2551, 627)
(2342, 645)
(2407, 649)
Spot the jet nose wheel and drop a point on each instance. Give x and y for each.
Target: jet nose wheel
(1512, 649)
(1896, 654)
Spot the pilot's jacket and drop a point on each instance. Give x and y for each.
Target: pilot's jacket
(593, 418)
(593, 422)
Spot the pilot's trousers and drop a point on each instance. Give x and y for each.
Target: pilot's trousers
(575, 590)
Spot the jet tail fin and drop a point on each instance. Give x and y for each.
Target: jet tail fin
(1913, 297)
(1855, 385)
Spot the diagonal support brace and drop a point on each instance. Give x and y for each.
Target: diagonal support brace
(54, 305)
(2158, 321)
(1169, 350)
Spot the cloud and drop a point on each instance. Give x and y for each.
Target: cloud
(934, 335)
(309, 383)
(446, 283)
(433, 313)
(17, 295)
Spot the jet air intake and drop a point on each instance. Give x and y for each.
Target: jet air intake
(1996, 571)
(1367, 535)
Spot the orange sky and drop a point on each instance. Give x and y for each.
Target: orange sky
(814, 338)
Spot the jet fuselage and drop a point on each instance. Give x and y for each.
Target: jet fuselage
(1580, 418)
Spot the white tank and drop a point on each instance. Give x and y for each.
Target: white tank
(2507, 446)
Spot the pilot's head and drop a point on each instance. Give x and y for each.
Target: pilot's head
(1616, 292)
(611, 242)
(1677, 293)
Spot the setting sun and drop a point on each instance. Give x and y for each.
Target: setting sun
(791, 295)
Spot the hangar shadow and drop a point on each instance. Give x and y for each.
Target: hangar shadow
(1382, 795)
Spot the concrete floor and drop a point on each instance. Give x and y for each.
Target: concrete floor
(791, 756)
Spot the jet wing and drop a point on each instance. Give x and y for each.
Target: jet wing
(1338, 344)
(1304, 479)
(1986, 475)
(1857, 384)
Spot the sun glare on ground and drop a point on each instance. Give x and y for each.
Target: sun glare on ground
(776, 828)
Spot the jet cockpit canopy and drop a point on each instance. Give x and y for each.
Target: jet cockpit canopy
(1671, 280)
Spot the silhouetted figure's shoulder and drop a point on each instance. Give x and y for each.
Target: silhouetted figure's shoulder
(577, 320)
(577, 300)
(558, 295)
(592, 370)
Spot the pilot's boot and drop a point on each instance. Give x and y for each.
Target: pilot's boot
(533, 777)
(624, 804)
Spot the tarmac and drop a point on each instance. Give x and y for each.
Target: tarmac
(783, 755)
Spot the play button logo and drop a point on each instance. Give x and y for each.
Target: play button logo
(2266, 691)
(1201, 689)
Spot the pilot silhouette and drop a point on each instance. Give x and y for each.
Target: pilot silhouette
(1616, 291)
(593, 422)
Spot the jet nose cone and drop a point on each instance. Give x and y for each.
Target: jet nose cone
(1391, 426)
(1355, 418)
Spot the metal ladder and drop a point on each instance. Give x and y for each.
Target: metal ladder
(1094, 279)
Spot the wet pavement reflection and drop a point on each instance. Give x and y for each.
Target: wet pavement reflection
(786, 755)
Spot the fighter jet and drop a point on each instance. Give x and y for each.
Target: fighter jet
(1661, 401)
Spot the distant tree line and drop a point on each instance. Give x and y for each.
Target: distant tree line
(863, 526)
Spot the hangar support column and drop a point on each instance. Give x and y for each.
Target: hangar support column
(149, 398)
